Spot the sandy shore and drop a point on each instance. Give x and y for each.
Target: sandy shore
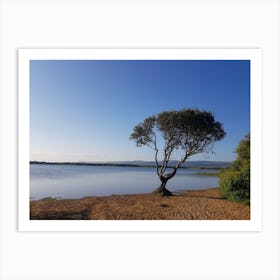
(189, 205)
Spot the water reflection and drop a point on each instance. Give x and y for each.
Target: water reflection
(72, 181)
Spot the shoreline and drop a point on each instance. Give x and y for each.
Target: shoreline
(175, 193)
(204, 204)
(192, 165)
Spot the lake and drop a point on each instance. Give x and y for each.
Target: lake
(77, 181)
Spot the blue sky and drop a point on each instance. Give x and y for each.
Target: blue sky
(85, 110)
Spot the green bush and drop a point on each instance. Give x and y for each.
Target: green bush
(235, 181)
(243, 153)
(235, 185)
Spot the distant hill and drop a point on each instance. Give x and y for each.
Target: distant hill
(139, 163)
(205, 164)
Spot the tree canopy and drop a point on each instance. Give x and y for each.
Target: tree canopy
(190, 131)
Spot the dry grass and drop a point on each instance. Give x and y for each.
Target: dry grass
(189, 205)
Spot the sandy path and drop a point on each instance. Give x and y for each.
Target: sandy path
(190, 205)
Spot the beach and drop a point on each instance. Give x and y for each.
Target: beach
(185, 205)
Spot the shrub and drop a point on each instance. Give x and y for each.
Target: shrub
(235, 181)
(235, 185)
(243, 153)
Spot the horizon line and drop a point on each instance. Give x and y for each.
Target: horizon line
(122, 161)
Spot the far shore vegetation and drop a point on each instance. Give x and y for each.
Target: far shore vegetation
(196, 165)
(209, 174)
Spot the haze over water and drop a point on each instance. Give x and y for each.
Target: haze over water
(77, 181)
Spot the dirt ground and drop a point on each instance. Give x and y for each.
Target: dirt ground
(188, 205)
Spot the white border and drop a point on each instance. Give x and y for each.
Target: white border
(254, 55)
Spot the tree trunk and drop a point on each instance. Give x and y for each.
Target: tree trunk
(163, 190)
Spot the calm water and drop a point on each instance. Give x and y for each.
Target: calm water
(72, 181)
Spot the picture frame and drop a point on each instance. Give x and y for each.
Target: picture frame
(25, 56)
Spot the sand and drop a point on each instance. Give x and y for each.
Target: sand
(189, 205)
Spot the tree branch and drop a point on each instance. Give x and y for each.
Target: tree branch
(167, 153)
(156, 160)
(183, 159)
(156, 154)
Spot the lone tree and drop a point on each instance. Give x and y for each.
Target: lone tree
(186, 131)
